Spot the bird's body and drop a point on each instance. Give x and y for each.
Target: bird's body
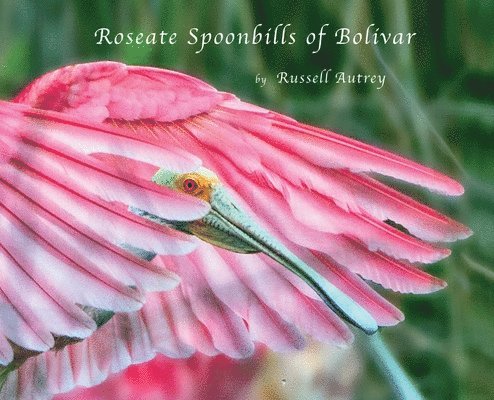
(91, 159)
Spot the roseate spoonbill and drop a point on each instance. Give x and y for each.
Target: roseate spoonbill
(104, 166)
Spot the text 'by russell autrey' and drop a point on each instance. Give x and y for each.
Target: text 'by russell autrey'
(325, 76)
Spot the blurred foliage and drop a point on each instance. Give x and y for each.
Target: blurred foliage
(437, 107)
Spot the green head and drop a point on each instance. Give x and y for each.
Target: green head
(205, 185)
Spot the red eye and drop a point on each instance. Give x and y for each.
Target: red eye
(190, 185)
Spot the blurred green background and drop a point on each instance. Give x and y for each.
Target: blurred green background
(437, 107)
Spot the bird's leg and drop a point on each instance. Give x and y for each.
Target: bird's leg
(399, 380)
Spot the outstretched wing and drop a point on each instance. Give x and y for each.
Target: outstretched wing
(191, 317)
(63, 216)
(309, 187)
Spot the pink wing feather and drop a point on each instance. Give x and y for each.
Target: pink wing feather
(63, 216)
(307, 186)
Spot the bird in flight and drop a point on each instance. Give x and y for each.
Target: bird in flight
(145, 212)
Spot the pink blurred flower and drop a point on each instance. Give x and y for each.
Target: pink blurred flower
(198, 377)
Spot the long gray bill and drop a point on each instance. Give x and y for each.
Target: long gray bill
(240, 225)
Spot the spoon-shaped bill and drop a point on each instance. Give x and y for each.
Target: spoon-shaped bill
(229, 221)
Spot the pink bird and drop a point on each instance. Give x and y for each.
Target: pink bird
(119, 182)
(198, 377)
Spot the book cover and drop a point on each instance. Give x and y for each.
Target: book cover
(252, 80)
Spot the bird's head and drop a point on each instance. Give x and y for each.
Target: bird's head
(229, 227)
(200, 183)
(225, 225)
